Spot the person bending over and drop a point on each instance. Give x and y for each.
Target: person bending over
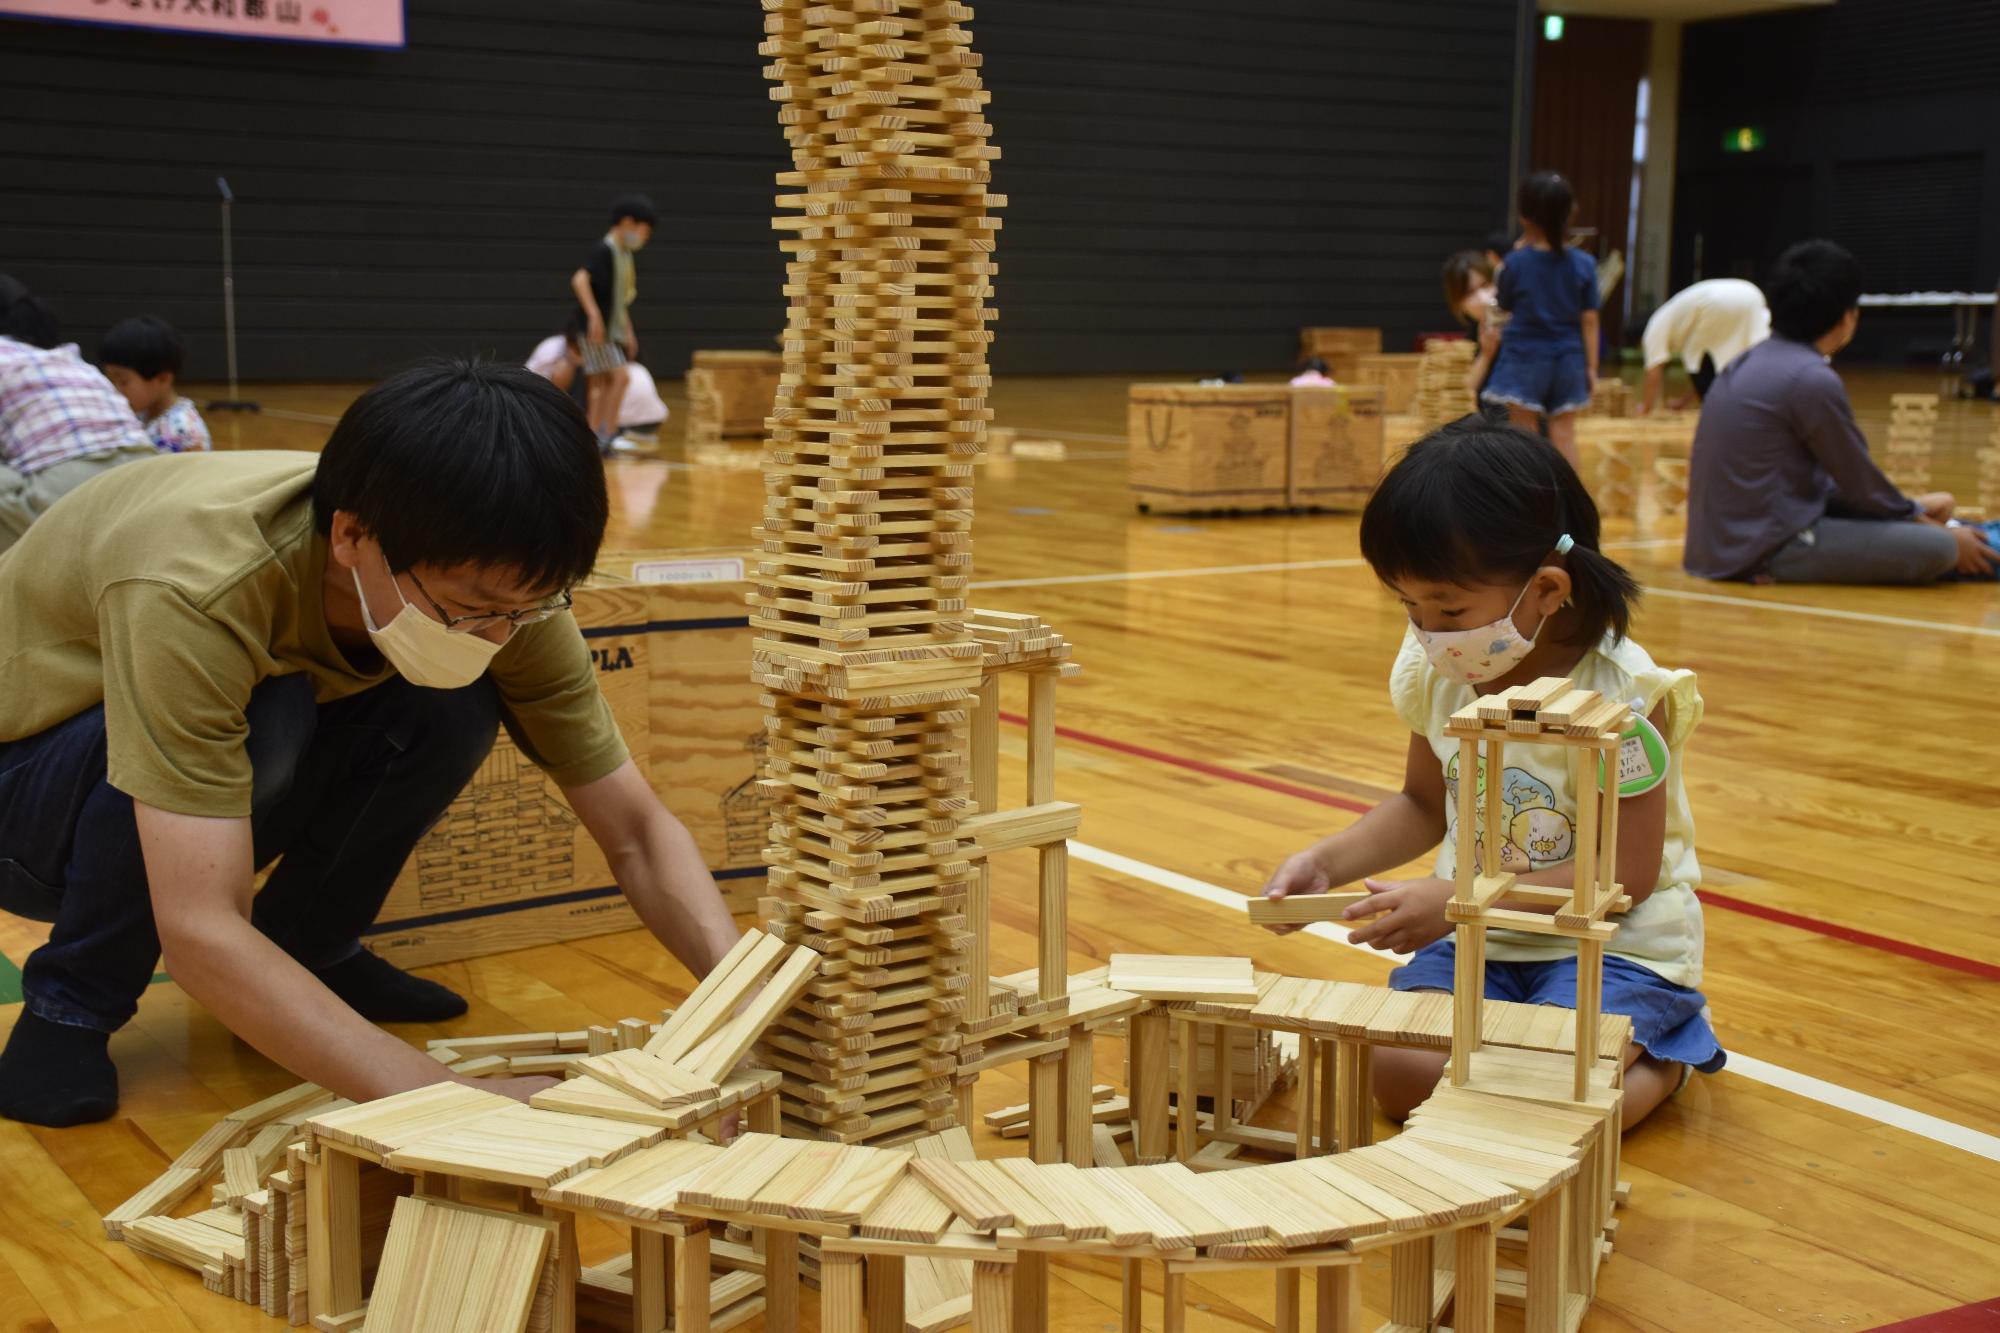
(1705, 326)
(213, 661)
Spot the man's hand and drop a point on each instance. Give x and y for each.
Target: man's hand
(1300, 874)
(1412, 914)
(594, 328)
(520, 1089)
(1976, 559)
(1937, 506)
(631, 347)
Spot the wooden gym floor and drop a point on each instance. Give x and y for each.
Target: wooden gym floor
(1232, 707)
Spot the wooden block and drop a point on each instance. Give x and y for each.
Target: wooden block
(450, 1268)
(651, 1079)
(522, 1145)
(733, 1041)
(1183, 977)
(383, 1125)
(711, 1002)
(1299, 909)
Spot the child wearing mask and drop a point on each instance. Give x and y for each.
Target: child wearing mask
(605, 287)
(1490, 541)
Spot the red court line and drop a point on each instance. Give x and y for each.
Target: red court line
(1970, 966)
(1979, 1317)
(1201, 766)
(1956, 962)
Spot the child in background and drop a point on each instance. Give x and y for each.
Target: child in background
(605, 288)
(142, 356)
(1548, 352)
(1469, 293)
(1491, 542)
(1312, 373)
(559, 357)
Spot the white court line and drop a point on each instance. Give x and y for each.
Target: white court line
(1830, 613)
(1650, 590)
(1203, 571)
(287, 415)
(1931, 1127)
(1072, 434)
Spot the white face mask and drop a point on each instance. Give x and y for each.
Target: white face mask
(634, 241)
(1473, 655)
(423, 651)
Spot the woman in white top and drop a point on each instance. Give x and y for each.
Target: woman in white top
(1706, 325)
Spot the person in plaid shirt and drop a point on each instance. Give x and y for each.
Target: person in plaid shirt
(61, 421)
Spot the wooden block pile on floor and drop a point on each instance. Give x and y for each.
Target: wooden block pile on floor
(1906, 457)
(1444, 383)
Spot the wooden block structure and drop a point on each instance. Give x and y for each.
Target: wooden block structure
(1621, 465)
(510, 866)
(1609, 397)
(1989, 476)
(1395, 373)
(862, 641)
(1906, 458)
(1444, 383)
(1003, 1023)
(1549, 711)
(1341, 348)
(730, 393)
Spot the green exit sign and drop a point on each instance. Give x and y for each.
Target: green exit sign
(1743, 139)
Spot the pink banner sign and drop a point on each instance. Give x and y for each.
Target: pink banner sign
(350, 22)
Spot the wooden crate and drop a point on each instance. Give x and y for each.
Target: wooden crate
(730, 393)
(1340, 348)
(1395, 373)
(1218, 447)
(1336, 446)
(510, 866)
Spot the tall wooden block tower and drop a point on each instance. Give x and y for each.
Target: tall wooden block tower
(859, 599)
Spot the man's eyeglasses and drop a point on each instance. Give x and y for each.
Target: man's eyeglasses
(488, 619)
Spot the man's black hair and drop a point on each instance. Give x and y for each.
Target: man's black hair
(30, 320)
(635, 206)
(469, 463)
(1476, 503)
(146, 345)
(1812, 286)
(1314, 365)
(1547, 201)
(1500, 242)
(12, 289)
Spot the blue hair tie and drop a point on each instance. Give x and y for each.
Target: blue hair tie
(1563, 543)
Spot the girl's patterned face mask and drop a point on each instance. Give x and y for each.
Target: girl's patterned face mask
(1470, 656)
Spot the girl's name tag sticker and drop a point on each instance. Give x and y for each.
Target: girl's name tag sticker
(1642, 758)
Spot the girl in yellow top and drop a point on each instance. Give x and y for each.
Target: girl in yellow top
(1490, 540)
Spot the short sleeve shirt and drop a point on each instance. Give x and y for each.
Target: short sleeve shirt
(179, 429)
(1663, 933)
(167, 589)
(1545, 293)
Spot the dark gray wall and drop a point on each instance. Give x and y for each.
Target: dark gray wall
(1188, 182)
(1880, 117)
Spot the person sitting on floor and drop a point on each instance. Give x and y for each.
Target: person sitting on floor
(143, 356)
(1780, 485)
(61, 421)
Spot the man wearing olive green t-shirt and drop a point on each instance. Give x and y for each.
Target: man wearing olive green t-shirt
(212, 661)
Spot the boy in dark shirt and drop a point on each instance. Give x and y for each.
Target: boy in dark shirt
(605, 287)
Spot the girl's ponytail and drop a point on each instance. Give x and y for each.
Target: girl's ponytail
(1546, 200)
(1604, 590)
